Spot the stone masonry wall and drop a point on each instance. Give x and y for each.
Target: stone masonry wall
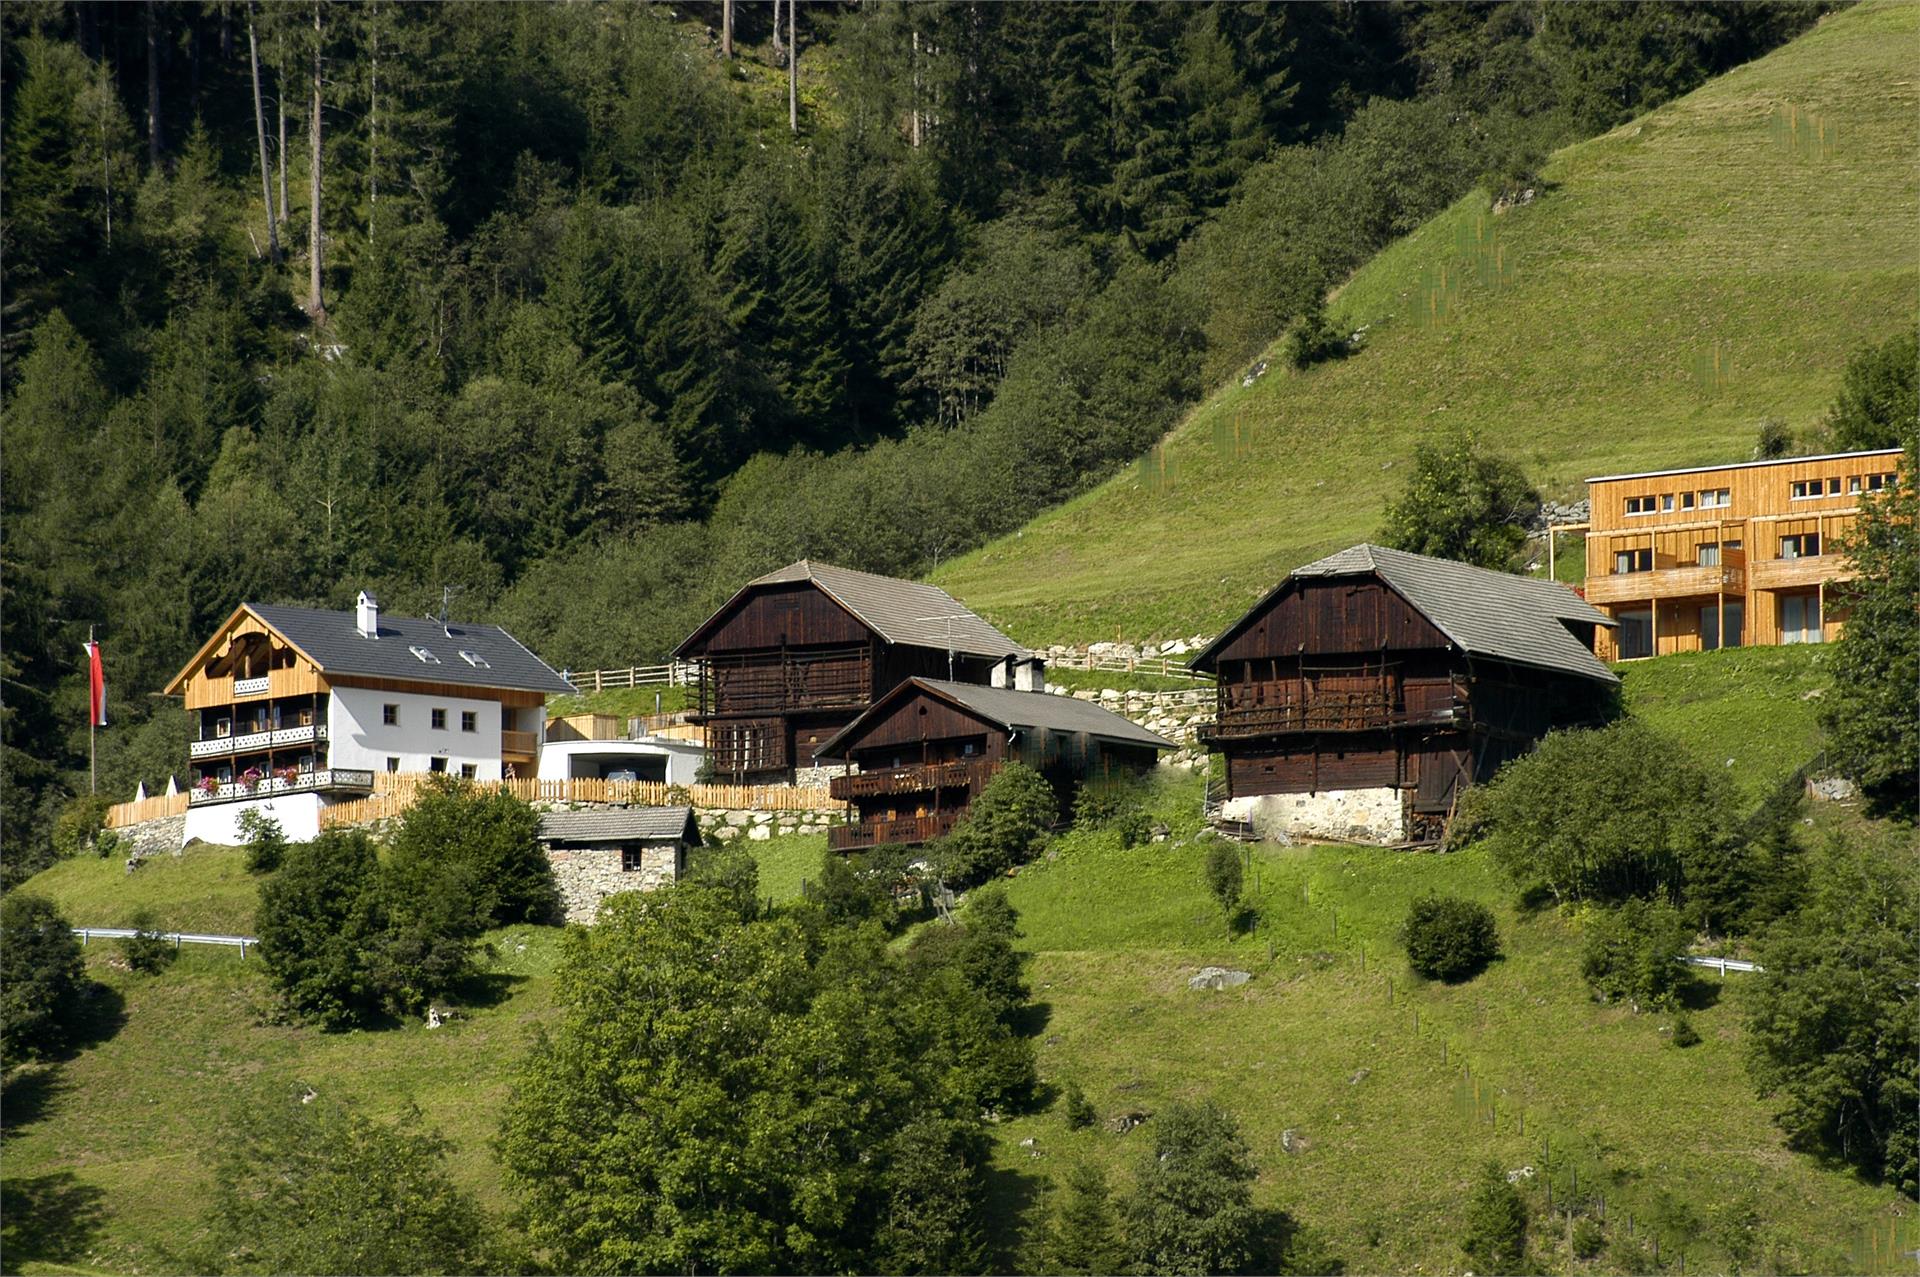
(1341, 815)
(588, 875)
(1174, 715)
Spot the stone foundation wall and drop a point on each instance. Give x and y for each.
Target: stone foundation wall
(819, 777)
(728, 825)
(1174, 715)
(1340, 815)
(588, 875)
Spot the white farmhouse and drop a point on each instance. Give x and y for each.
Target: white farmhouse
(295, 708)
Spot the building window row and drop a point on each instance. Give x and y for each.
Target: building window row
(469, 719)
(1681, 502)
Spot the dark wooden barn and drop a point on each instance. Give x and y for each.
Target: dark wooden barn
(928, 747)
(798, 654)
(1360, 696)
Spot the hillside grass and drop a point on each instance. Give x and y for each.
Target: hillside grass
(1675, 282)
(119, 1138)
(205, 888)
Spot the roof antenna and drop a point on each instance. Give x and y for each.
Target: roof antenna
(446, 598)
(949, 618)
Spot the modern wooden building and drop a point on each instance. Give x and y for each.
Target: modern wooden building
(800, 653)
(928, 747)
(293, 708)
(1692, 560)
(1360, 696)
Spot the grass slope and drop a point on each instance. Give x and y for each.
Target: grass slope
(112, 1146)
(1676, 281)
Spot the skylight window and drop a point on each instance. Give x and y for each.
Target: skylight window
(422, 654)
(474, 659)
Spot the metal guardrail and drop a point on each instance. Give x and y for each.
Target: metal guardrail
(178, 937)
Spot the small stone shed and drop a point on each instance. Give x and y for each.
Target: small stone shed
(596, 854)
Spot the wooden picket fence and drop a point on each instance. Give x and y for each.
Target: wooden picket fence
(120, 815)
(394, 792)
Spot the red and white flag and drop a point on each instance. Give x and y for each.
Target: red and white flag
(96, 686)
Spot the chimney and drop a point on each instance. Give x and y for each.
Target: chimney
(1001, 675)
(1030, 675)
(366, 616)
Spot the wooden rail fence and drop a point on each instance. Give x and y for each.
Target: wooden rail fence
(395, 792)
(1159, 666)
(672, 674)
(120, 815)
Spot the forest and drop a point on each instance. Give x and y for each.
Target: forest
(572, 317)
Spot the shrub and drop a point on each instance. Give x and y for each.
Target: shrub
(147, 950)
(41, 976)
(1115, 805)
(1312, 338)
(481, 842)
(1589, 1239)
(1774, 440)
(1448, 938)
(266, 844)
(79, 825)
(1007, 825)
(1630, 952)
(1080, 1113)
(1462, 504)
(1496, 1236)
(1684, 1034)
(1224, 874)
(1191, 1210)
(732, 871)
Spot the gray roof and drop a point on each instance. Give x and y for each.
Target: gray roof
(336, 645)
(1017, 710)
(629, 824)
(909, 612)
(1496, 614)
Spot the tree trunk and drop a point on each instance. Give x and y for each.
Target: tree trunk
(280, 107)
(153, 85)
(726, 28)
(315, 306)
(793, 67)
(373, 117)
(914, 105)
(260, 129)
(779, 45)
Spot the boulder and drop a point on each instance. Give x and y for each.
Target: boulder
(1218, 978)
(1124, 1122)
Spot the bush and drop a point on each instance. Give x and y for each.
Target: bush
(1462, 504)
(1496, 1236)
(1225, 876)
(1448, 938)
(1684, 1034)
(1007, 825)
(1312, 339)
(147, 950)
(266, 844)
(79, 825)
(485, 840)
(1630, 952)
(42, 978)
(1773, 441)
(1589, 1239)
(1115, 805)
(1080, 1113)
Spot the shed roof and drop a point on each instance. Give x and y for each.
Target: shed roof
(906, 612)
(1012, 710)
(627, 824)
(1484, 613)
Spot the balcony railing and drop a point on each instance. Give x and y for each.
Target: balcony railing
(1319, 714)
(522, 743)
(970, 774)
(251, 686)
(1666, 583)
(254, 742)
(914, 829)
(1808, 569)
(267, 786)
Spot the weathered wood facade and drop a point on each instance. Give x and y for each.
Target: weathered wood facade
(928, 748)
(797, 655)
(1725, 556)
(1340, 681)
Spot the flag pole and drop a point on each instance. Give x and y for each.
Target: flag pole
(91, 778)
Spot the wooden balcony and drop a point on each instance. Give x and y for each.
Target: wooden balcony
(972, 774)
(1666, 583)
(880, 833)
(1336, 712)
(256, 742)
(783, 682)
(1809, 570)
(334, 779)
(517, 744)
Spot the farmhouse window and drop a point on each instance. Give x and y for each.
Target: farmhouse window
(1640, 505)
(390, 715)
(1636, 634)
(468, 771)
(1805, 545)
(1800, 618)
(1716, 498)
(393, 763)
(436, 764)
(1625, 561)
(469, 721)
(439, 720)
(633, 859)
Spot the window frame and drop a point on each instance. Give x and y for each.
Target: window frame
(390, 716)
(437, 718)
(469, 720)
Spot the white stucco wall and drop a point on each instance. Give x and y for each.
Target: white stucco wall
(1342, 815)
(359, 739)
(683, 757)
(298, 814)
